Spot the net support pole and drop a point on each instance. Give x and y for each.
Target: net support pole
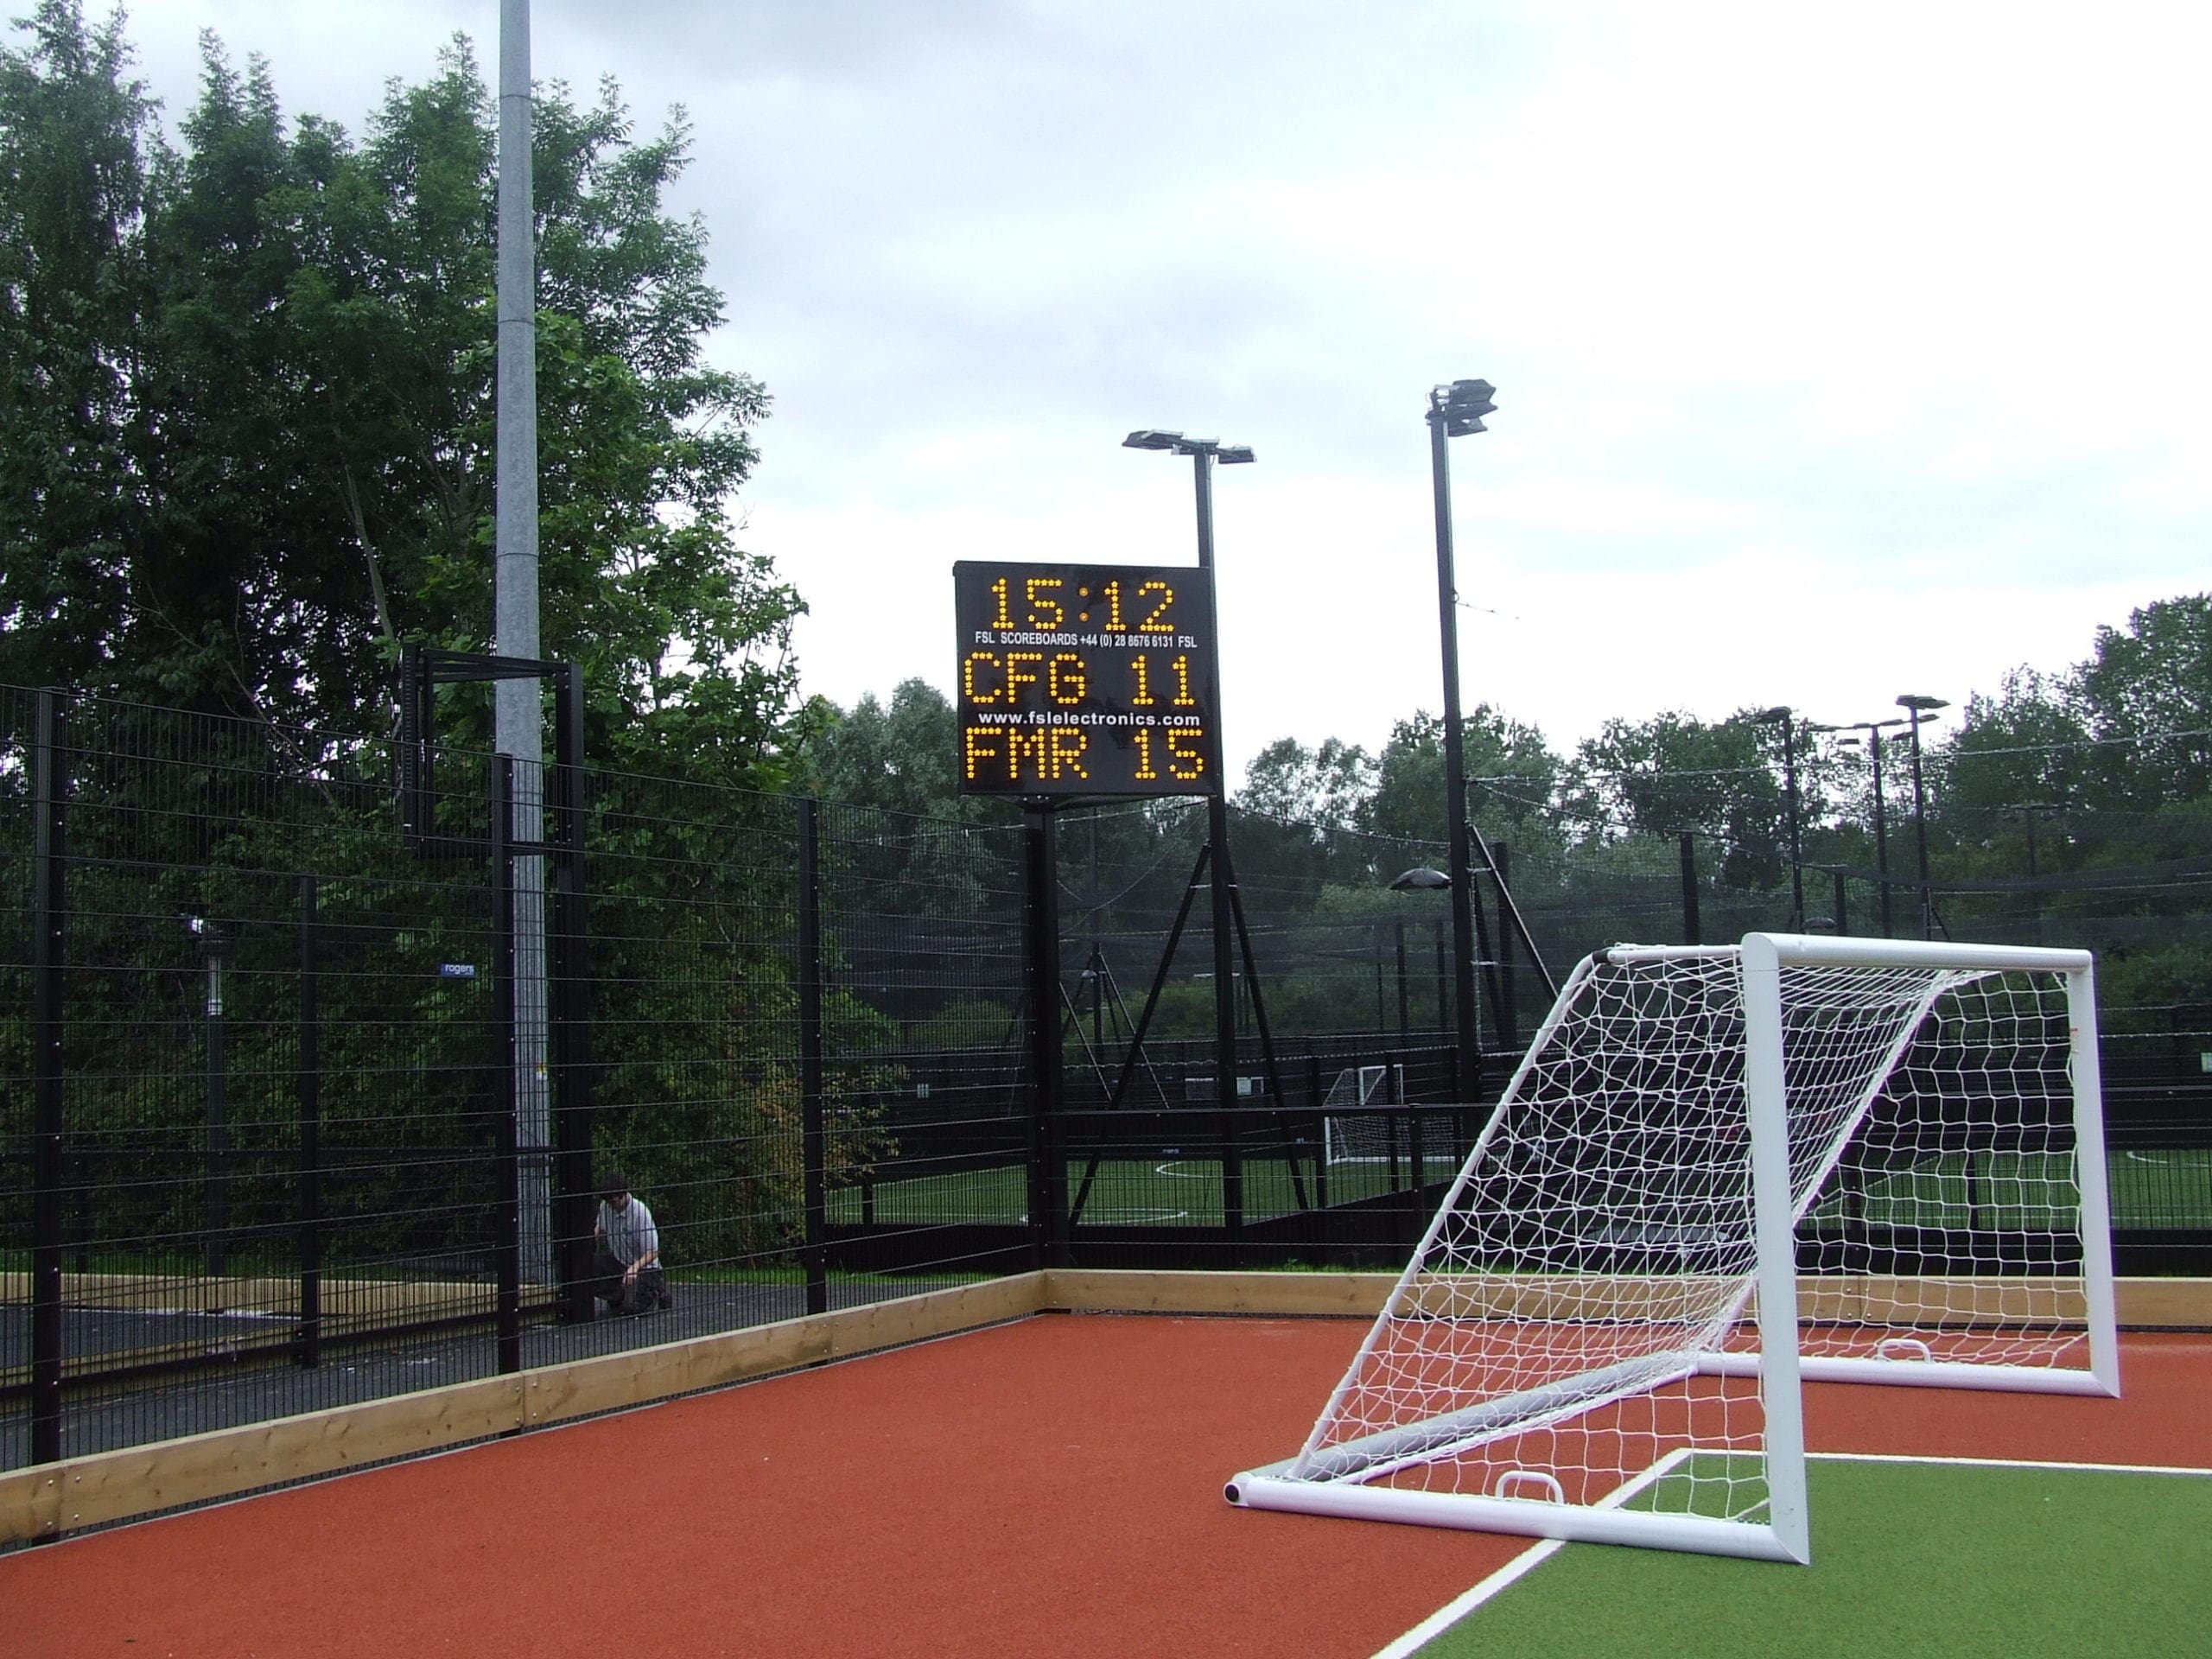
(816, 1141)
(1047, 1155)
(49, 923)
(1775, 1232)
(310, 1105)
(506, 1179)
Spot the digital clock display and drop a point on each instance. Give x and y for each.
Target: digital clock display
(1085, 680)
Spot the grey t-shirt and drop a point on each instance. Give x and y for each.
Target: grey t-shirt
(630, 1230)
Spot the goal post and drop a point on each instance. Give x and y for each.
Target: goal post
(1715, 1170)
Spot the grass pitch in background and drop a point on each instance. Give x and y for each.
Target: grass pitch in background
(1909, 1559)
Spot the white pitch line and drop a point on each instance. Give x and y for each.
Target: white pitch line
(1519, 1567)
(2011, 1463)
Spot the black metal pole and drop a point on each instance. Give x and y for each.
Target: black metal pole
(815, 1154)
(219, 1119)
(48, 938)
(1686, 844)
(1224, 974)
(1842, 922)
(1047, 1170)
(574, 1205)
(1405, 1006)
(1881, 832)
(507, 1178)
(1509, 1014)
(310, 1101)
(1467, 1045)
(1920, 832)
(1796, 837)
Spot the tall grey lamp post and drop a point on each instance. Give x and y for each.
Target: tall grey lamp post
(1454, 411)
(1204, 452)
(1874, 729)
(1787, 720)
(517, 714)
(1917, 710)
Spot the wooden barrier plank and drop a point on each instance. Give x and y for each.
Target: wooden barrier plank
(627, 1379)
(222, 1463)
(49, 1499)
(2144, 1304)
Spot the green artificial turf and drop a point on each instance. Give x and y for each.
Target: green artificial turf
(1908, 1559)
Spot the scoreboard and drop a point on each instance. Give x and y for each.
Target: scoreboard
(1085, 680)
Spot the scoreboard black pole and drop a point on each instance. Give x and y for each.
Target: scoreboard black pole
(1047, 1153)
(1218, 879)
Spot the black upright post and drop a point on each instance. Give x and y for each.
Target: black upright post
(1405, 1006)
(1047, 1155)
(575, 1207)
(1508, 1014)
(1842, 922)
(1466, 1041)
(507, 1175)
(218, 1113)
(49, 918)
(1223, 921)
(815, 1154)
(1688, 845)
(1881, 832)
(310, 1094)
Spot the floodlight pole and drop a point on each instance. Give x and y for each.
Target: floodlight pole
(1787, 718)
(1914, 707)
(1224, 973)
(1203, 452)
(1442, 419)
(1874, 729)
(517, 727)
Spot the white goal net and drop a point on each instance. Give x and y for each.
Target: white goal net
(1886, 1158)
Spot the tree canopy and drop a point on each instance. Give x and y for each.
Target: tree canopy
(247, 419)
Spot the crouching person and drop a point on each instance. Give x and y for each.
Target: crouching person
(626, 1253)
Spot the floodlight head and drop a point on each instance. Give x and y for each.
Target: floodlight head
(1769, 716)
(1152, 440)
(1234, 454)
(1920, 705)
(1420, 880)
(1461, 406)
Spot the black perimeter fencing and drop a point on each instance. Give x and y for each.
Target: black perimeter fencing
(298, 1111)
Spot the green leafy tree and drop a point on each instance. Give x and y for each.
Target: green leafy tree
(250, 417)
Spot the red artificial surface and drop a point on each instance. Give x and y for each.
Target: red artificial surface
(1048, 1488)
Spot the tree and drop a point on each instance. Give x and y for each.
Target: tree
(1674, 772)
(2144, 696)
(255, 447)
(73, 189)
(1511, 773)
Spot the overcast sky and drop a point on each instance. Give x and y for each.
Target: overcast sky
(1840, 351)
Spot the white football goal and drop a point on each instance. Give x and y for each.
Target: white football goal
(1718, 1170)
(1358, 1138)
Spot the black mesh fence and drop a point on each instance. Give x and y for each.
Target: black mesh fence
(300, 1111)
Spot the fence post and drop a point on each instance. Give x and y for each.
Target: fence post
(1509, 1006)
(1047, 1173)
(49, 919)
(1315, 1093)
(573, 1206)
(507, 1178)
(310, 1096)
(1691, 933)
(814, 1156)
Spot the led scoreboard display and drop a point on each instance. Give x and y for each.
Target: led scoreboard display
(1085, 680)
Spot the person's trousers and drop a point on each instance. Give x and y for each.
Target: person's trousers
(644, 1294)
